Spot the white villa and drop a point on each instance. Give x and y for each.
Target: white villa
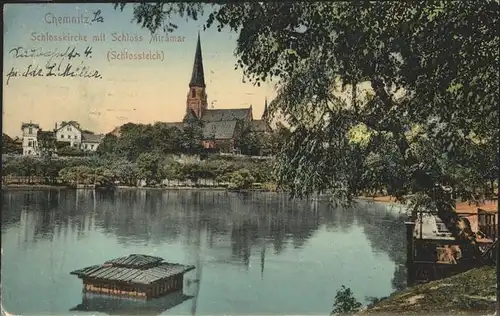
(30, 140)
(70, 132)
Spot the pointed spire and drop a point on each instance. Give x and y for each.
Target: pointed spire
(198, 76)
(264, 115)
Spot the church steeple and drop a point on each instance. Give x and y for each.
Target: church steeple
(197, 97)
(198, 75)
(265, 114)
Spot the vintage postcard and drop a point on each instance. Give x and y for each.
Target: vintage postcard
(250, 158)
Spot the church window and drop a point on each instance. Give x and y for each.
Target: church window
(30, 130)
(193, 93)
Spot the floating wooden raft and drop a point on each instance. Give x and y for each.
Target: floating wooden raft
(134, 275)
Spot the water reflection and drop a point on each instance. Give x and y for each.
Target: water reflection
(124, 306)
(233, 228)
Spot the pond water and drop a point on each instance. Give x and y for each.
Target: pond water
(255, 253)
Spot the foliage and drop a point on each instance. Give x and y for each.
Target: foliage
(108, 145)
(46, 143)
(241, 179)
(151, 167)
(160, 138)
(148, 165)
(389, 66)
(9, 146)
(345, 303)
(249, 143)
(78, 175)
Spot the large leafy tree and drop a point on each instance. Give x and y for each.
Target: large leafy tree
(430, 64)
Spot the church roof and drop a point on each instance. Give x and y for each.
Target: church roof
(219, 129)
(198, 75)
(259, 126)
(226, 114)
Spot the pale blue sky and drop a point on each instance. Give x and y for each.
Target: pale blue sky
(130, 91)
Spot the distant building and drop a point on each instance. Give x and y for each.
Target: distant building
(90, 142)
(30, 140)
(221, 127)
(72, 133)
(69, 132)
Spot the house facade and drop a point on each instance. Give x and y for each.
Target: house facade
(67, 132)
(90, 142)
(30, 138)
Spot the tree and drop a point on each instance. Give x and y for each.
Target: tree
(191, 136)
(172, 169)
(241, 179)
(433, 64)
(108, 145)
(9, 146)
(166, 139)
(78, 175)
(126, 172)
(148, 165)
(345, 303)
(247, 141)
(46, 143)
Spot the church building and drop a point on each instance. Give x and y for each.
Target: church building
(221, 127)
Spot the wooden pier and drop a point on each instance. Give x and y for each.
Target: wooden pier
(433, 253)
(138, 276)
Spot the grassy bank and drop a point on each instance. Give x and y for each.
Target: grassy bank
(472, 292)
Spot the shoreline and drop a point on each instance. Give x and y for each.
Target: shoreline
(461, 207)
(200, 188)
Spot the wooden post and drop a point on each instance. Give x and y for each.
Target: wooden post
(410, 252)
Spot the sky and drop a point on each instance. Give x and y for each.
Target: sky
(138, 91)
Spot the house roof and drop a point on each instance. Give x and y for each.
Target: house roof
(92, 138)
(75, 124)
(23, 125)
(226, 114)
(219, 129)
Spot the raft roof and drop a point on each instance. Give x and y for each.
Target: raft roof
(134, 260)
(131, 269)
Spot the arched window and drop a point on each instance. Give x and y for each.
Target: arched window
(193, 93)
